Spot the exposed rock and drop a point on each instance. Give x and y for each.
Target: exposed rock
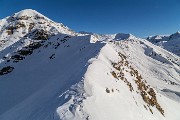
(40, 34)
(6, 70)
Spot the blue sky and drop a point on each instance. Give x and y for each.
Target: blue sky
(139, 17)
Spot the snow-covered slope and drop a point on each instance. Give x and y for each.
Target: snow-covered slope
(168, 42)
(53, 73)
(128, 79)
(17, 26)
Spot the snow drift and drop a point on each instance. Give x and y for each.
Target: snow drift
(49, 72)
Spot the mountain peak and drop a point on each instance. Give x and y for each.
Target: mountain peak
(175, 36)
(27, 12)
(22, 23)
(123, 36)
(178, 32)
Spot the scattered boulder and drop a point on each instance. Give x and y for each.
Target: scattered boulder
(114, 74)
(34, 45)
(25, 52)
(107, 90)
(6, 70)
(52, 56)
(17, 58)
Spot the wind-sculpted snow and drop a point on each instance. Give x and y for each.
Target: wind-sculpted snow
(45, 79)
(151, 53)
(172, 94)
(117, 75)
(49, 72)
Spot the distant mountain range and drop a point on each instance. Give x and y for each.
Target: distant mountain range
(168, 42)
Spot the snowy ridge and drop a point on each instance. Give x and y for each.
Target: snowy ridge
(111, 80)
(53, 73)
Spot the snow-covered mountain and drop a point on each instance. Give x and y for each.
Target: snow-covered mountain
(24, 23)
(49, 72)
(168, 42)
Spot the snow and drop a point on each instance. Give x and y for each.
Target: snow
(74, 76)
(31, 20)
(48, 81)
(98, 78)
(29, 12)
(123, 36)
(168, 42)
(99, 104)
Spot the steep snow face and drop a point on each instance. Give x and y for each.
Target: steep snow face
(52, 73)
(168, 42)
(34, 76)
